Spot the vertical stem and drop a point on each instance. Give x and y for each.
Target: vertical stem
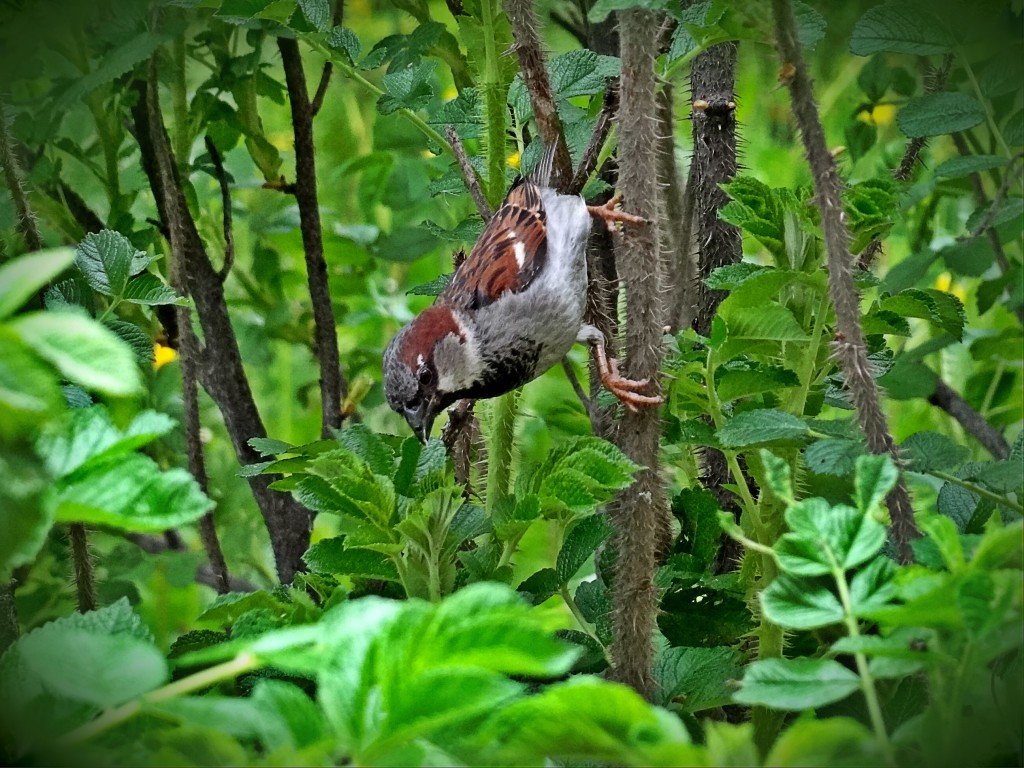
(849, 346)
(10, 627)
(867, 680)
(494, 105)
(500, 446)
(333, 387)
(639, 512)
(15, 179)
(85, 578)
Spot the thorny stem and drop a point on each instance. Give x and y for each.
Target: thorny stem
(850, 346)
(867, 680)
(112, 717)
(500, 446)
(15, 179)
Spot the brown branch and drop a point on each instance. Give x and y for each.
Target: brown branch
(225, 199)
(333, 386)
(588, 163)
(10, 627)
(80, 211)
(523, 18)
(469, 175)
(220, 370)
(639, 512)
(712, 86)
(934, 82)
(849, 346)
(974, 424)
(459, 437)
(85, 574)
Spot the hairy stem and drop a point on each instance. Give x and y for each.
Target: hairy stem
(85, 576)
(849, 345)
(501, 443)
(333, 386)
(15, 178)
(495, 109)
(639, 512)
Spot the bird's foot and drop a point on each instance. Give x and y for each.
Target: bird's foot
(629, 391)
(609, 213)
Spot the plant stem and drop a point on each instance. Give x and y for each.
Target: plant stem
(204, 679)
(499, 448)
(577, 614)
(807, 375)
(985, 105)
(979, 490)
(494, 105)
(867, 680)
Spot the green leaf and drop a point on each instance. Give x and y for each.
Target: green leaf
(86, 666)
(28, 387)
(765, 425)
(848, 534)
(972, 257)
(696, 678)
(268, 446)
(581, 541)
(875, 477)
(24, 276)
(134, 337)
(799, 604)
(602, 9)
(777, 475)
(344, 39)
(330, 556)
(930, 451)
(796, 684)
(107, 259)
(758, 209)
(82, 350)
(434, 287)
(463, 113)
(935, 114)
(810, 25)
(830, 741)
(752, 378)
(408, 88)
(898, 27)
(964, 165)
(227, 608)
(873, 587)
(149, 290)
(317, 13)
(130, 493)
(23, 519)
(833, 456)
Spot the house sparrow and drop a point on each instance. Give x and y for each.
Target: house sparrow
(513, 309)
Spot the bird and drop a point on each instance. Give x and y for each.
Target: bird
(513, 308)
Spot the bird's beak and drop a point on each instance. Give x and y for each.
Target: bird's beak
(421, 419)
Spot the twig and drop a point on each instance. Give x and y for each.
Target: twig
(574, 382)
(849, 346)
(333, 386)
(458, 438)
(85, 575)
(588, 163)
(639, 511)
(985, 224)
(469, 175)
(523, 18)
(225, 198)
(325, 75)
(10, 627)
(934, 82)
(949, 400)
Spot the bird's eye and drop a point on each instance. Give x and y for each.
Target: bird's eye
(426, 376)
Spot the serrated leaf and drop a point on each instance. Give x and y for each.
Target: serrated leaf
(875, 477)
(134, 337)
(24, 276)
(795, 684)
(765, 425)
(344, 39)
(696, 679)
(408, 88)
(810, 25)
(107, 259)
(843, 537)
(898, 27)
(82, 350)
(935, 114)
(434, 287)
(928, 451)
(777, 475)
(463, 113)
(317, 13)
(268, 446)
(957, 167)
(733, 382)
(580, 543)
(799, 604)
(149, 290)
(332, 557)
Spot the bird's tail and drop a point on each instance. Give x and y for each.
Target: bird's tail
(541, 174)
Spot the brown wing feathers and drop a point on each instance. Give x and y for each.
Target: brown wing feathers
(508, 255)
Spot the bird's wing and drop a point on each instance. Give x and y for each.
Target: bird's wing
(509, 254)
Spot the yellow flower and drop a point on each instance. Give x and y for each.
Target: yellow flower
(944, 282)
(450, 93)
(879, 114)
(513, 160)
(163, 355)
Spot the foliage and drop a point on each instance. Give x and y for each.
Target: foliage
(468, 621)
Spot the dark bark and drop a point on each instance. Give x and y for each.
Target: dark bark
(226, 215)
(333, 387)
(220, 370)
(949, 400)
(523, 17)
(602, 313)
(849, 344)
(639, 511)
(80, 211)
(712, 86)
(469, 177)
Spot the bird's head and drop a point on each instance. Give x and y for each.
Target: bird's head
(426, 365)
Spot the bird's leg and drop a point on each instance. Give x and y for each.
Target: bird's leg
(609, 213)
(627, 390)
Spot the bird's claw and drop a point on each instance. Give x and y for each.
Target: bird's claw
(610, 213)
(628, 391)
